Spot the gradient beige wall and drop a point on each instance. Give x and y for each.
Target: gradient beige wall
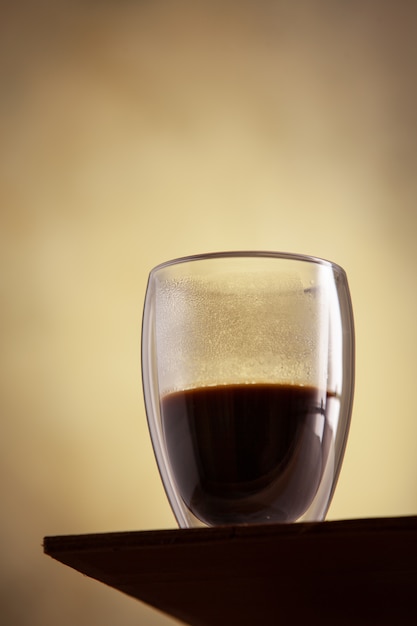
(133, 132)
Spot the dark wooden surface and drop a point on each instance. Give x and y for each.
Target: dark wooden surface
(327, 573)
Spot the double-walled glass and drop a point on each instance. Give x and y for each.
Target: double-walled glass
(248, 373)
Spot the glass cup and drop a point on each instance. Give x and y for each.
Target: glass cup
(248, 376)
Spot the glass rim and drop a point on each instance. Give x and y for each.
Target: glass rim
(289, 256)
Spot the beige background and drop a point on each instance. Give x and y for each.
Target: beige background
(136, 131)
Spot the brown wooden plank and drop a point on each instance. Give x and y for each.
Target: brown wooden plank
(340, 572)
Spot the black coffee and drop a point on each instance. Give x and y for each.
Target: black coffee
(245, 453)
